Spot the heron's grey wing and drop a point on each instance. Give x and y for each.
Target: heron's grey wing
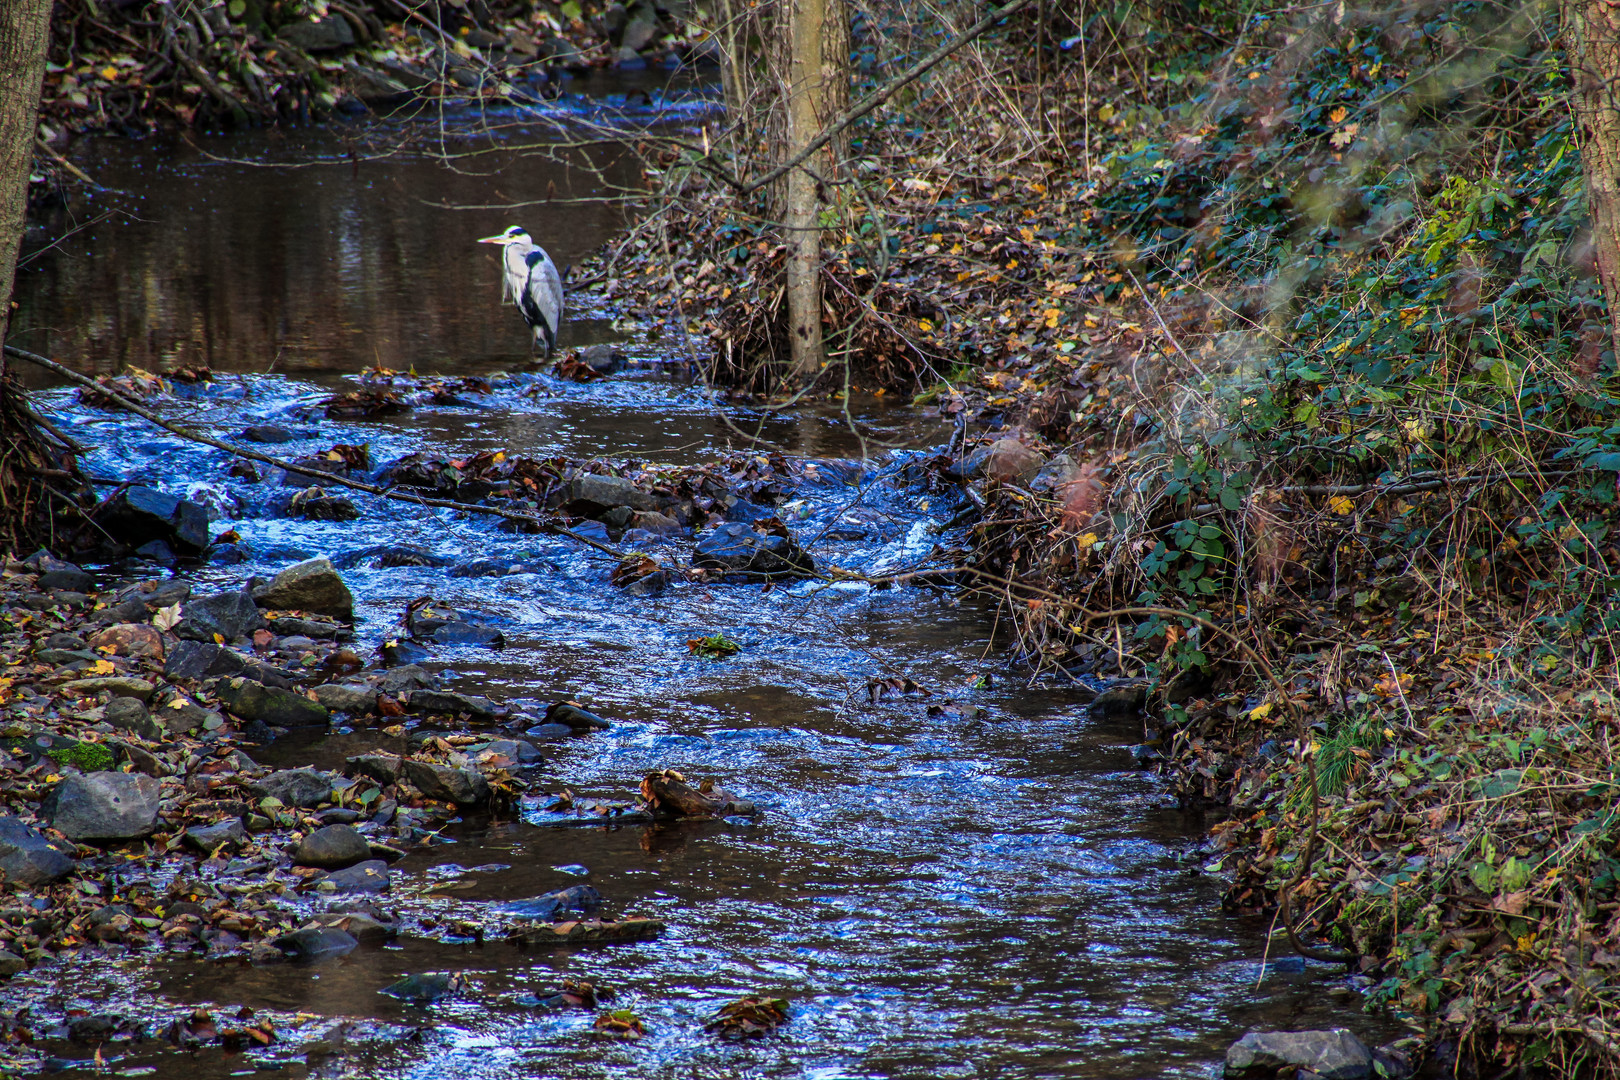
(543, 294)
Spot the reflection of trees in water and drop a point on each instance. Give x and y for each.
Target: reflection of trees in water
(326, 267)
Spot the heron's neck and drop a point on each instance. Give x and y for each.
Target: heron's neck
(517, 257)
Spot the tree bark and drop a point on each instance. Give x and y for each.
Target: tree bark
(1591, 33)
(817, 69)
(25, 27)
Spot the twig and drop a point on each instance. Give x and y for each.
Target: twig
(872, 101)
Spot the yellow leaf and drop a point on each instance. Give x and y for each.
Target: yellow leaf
(925, 325)
(109, 73)
(1260, 712)
(1087, 540)
(1341, 504)
(102, 667)
(1338, 114)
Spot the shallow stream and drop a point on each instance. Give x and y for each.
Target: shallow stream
(976, 883)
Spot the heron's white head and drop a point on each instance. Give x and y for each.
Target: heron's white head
(517, 234)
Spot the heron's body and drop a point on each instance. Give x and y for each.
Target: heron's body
(531, 279)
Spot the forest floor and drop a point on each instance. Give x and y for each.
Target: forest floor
(1284, 382)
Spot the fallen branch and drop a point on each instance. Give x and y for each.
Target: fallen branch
(331, 478)
(669, 793)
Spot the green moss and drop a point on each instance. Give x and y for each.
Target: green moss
(84, 756)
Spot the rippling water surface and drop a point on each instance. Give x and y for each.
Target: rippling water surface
(982, 889)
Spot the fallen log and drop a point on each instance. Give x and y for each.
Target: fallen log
(668, 793)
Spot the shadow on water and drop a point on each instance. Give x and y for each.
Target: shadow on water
(985, 889)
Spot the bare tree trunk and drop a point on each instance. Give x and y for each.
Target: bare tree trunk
(30, 509)
(1591, 33)
(817, 38)
(25, 27)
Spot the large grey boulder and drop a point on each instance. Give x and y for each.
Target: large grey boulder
(227, 615)
(464, 787)
(208, 838)
(139, 515)
(439, 702)
(104, 806)
(332, 848)
(1333, 1055)
(201, 660)
(737, 547)
(327, 34)
(27, 857)
(271, 705)
(591, 494)
(312, 585)
(347, 698)
(295, 787)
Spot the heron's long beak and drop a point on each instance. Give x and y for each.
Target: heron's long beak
(501, 239)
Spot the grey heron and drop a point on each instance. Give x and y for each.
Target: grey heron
(532, 280)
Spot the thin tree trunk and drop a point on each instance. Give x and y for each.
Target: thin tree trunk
(25, 27)
(31, 513)
(1591, 32)
(817, 37)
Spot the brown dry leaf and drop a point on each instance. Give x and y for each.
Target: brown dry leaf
(748, 1017)
(1512, 903)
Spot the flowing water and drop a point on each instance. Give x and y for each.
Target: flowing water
(973, 884)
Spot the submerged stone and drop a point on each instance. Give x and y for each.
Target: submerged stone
(580, 899)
